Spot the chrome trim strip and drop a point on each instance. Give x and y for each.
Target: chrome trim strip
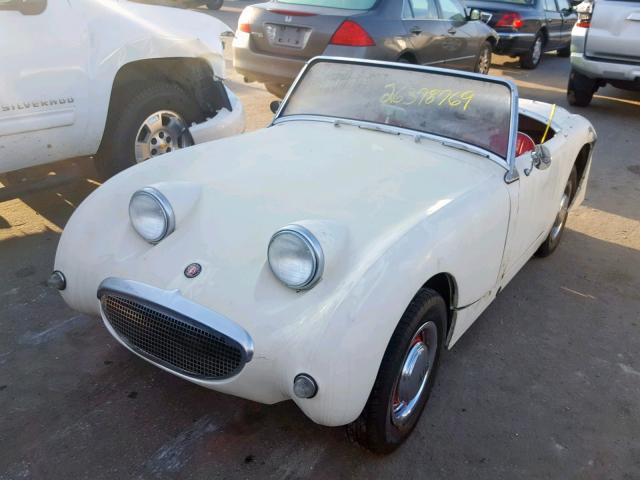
(173, 301)
(512, 173)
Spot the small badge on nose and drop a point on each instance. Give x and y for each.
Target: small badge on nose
(192, 270)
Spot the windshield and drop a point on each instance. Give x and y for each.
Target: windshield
(474, 111)
(345, 4)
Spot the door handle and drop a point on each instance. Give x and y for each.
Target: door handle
(416, 30)
(452, 31)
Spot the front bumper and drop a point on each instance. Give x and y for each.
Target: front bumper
(224, 124)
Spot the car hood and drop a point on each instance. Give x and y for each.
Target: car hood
(357, 190)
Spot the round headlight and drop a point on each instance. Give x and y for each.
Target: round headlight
(295, 257)
(151, 214)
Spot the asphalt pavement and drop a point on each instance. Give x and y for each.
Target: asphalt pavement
(546, 384)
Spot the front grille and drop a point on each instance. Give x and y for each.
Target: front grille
(170, 339)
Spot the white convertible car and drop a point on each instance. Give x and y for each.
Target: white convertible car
(330, 257)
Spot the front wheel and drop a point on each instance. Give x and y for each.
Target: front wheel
(484, 59)
(145, 124)
(555, 235)
(406, 376)
(531, 59)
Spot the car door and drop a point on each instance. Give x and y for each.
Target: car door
(462, 43)
(533, 199)
(554, 24)
(427, 31)
(43, 82)
(569, 18)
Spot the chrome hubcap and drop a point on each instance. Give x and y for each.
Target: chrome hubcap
(415, 372)
(537, 50)
(562, 214)
(162, 132)
(485, 62)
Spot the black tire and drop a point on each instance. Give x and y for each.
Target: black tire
(374, 428)
(531, 60)
(214, 4)
(580, 89)
(126, 115)
(485, 49)
(553, 239)
(277, 89)
(564, 52)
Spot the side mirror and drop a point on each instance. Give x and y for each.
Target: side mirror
(540, 158)
(26, 7)
(475, 14)
(274, 106)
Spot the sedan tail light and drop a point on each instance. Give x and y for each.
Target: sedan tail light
(584, 20)
(351, 34)
(244, 27)
(510, 19)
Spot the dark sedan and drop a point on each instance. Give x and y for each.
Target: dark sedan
(275, 39)
(528, 28)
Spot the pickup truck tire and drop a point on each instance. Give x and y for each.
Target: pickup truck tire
(214, 4)
(406, 376)
(127, 116)
(580, 89)
(531, 59)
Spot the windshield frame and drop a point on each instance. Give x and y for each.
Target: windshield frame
(508, 163)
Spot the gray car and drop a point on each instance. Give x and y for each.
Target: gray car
(275, 39)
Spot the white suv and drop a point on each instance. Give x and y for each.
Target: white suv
(111, 78)
(605, 48)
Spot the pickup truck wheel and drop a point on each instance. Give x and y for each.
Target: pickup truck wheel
(152, 122)
(580, 89)
(531, 59)
(555, 234)
(214, 4)
(406, 376)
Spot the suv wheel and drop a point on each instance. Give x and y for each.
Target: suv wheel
(531, 59)
(151, 122)
(580, 89)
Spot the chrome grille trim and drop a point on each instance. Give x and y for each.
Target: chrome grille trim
(167, 329)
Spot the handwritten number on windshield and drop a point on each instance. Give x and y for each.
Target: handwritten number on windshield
(426, 96)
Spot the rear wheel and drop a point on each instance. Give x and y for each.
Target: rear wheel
(484, 59)
(555, 235)
(531, 59)
(580, 89)
(149, 123)
(406, 376)
(277, 89)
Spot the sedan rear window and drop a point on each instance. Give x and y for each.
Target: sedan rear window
(473, 110)
(344, 4)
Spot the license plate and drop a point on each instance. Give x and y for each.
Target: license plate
(286, 36)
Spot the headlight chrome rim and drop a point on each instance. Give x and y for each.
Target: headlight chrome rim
(314, 246)
(165, 207)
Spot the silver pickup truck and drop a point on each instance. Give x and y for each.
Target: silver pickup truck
(605, 48)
